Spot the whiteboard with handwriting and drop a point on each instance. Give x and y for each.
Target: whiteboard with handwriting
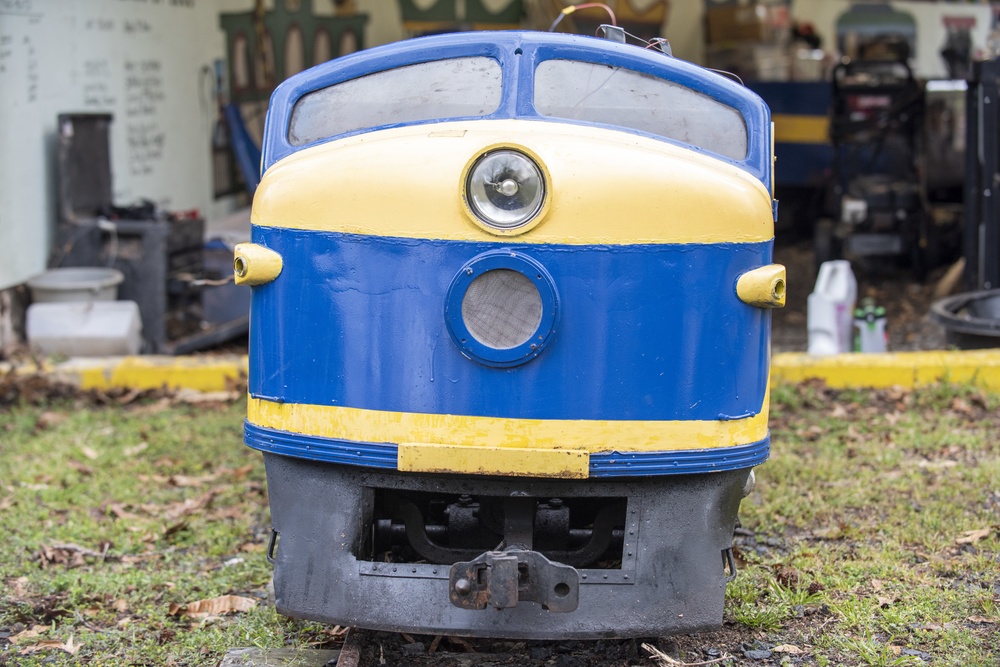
(147, 62)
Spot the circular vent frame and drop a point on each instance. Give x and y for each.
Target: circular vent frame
(514, 298)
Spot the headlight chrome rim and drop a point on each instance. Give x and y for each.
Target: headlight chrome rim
(493, 172)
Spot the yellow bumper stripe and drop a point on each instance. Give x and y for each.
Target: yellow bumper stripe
(591, 436)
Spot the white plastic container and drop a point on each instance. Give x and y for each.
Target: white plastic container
(871, 336)
(830, 311)
(76, 284)
(870, 327)
(95, 329)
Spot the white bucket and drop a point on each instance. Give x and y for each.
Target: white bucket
(830, 312)
(75, 284)
(95, 329)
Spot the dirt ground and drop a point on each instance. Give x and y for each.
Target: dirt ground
(730, 646)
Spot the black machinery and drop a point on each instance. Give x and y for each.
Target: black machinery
(168, 272)
(897, 143)
(878, 206)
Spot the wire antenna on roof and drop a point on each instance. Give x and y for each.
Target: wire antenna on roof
(587, 5)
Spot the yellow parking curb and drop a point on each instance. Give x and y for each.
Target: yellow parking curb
(902, 369)
(200, 373)
(219, 372)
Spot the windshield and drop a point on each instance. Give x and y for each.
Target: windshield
(452, 88)
(598, 93)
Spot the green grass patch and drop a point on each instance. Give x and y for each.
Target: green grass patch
(111, 515)
(887, 504)
(871, 537)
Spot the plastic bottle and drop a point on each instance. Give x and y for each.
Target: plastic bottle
(869, 327)
(830, 308)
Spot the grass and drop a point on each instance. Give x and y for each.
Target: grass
(110, 515)
(881, 512)
(871, 537)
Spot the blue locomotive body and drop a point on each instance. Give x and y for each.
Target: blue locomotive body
(510, 333)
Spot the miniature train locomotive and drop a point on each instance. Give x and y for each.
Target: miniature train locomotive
(510, 330)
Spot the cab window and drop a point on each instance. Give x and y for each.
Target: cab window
(452, 88)
(598, 93)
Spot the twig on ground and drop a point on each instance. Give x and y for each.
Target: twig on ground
(666, 659)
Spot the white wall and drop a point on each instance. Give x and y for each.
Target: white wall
(143, 61)
(148, 62)
(685, 29)
(385, 23)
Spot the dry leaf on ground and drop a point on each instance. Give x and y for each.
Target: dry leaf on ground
(973, 536)
(48, 419)
(175, 511)
(186, 480)
(225, 604)
(980, 619)
(49, 645)
(85, 470)
(791, 649)
(71, 555)
(17, 588)
(241, 472)
(119, 512)
(30, 633)
(135, 449)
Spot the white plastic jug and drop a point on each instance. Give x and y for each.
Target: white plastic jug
(831, 308)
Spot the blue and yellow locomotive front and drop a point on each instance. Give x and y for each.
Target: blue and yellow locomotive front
(509, 338)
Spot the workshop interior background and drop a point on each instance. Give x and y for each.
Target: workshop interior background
(166, 69)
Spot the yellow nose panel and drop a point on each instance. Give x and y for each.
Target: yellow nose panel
(603, 187)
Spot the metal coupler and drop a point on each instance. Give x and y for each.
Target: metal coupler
(502, 579)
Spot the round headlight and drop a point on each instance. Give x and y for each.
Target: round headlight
(505, 189)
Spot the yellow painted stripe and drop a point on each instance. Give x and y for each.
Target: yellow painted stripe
(592, 436)
(564, 463)
(605, 187)
(217, 373)
(206, 373)
(902, 369)
(796, 129)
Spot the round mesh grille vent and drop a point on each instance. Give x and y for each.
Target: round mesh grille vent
(502, 309)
